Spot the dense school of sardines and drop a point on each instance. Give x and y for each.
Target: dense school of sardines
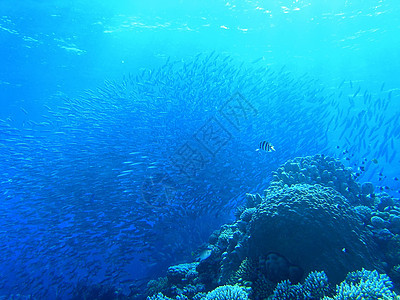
(365, 126)
(127, 174)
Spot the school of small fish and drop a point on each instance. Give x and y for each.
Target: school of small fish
(364, 124)
(137, 173)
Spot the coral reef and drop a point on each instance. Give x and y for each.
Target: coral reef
(224, 292)
(261, 287)
(285, 291)
(313, 216)
(182, 273)
(368, 285)
(315, 286)
(312, 227)
(245, 273)
(157, 286)
(159, 296)
(227, 292)
(362, 284)
(325, 171)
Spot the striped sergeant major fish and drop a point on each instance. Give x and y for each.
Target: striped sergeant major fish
(265, 146)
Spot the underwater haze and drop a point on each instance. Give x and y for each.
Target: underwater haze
(199, 149)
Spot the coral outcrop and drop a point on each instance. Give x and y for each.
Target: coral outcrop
(309, 227)
(313, 216)
(326, 171)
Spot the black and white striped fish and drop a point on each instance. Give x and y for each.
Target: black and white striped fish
(265, 146)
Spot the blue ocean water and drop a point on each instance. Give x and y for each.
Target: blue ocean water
(129, 129)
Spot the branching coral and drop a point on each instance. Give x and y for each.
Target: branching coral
(286, 291)
(368, 285)
(227, 292)
(316, 285)
(159, 296)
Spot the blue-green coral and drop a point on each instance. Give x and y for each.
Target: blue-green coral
(158, 296)
(359, 285)
(227, 292)
(286, 291)
(224, 292)
(182, 273)
(156, 286)
(364, 284)
(315, 286)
